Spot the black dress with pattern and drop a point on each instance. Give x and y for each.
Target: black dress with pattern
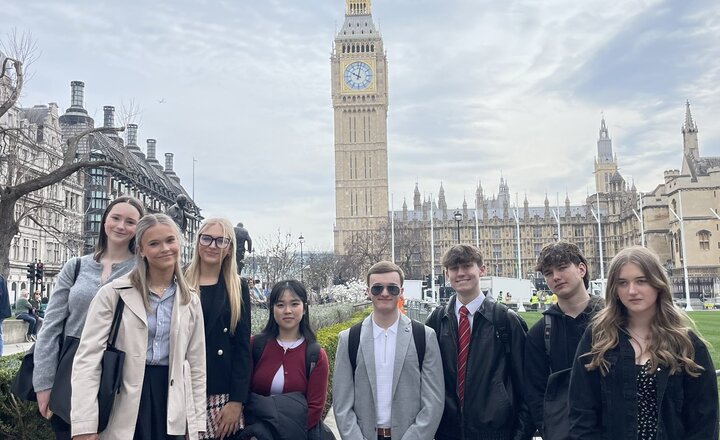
(647, 403)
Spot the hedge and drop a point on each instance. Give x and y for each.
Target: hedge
(327, 337)
(21, 420)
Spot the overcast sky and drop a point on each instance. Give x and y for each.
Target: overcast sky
(478, 89)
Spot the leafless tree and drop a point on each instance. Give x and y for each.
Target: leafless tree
(277, 257)
(363, 249)
(319, 270)
(410, 248)
(28, 165)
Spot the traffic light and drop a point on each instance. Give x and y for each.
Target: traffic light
(31, 271)
(426, 283)
(39, 271)
(441, 280)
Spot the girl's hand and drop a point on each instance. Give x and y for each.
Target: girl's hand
(43, 398)
(231, 419)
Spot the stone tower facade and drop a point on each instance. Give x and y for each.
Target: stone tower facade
(605, 163)
(360, 103)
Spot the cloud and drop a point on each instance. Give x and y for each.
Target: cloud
(478, 89)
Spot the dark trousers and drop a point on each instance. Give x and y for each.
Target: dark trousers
(30, 319)
(152, 414)
(60, 428)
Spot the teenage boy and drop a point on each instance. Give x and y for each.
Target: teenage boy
(482, 345)
(552, 341)
(388, 381)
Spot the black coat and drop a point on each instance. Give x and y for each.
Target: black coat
(229, 365)
(605, 407)
(494, 406)
(565, 335)
(279, 417)
(5, 311)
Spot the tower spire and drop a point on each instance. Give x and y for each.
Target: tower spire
(689, 125)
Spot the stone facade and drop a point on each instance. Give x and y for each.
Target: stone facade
(360, 103)
(691, 192)
(51, 228)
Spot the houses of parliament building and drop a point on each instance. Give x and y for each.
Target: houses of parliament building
(678, 219)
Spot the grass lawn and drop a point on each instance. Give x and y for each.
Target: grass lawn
(708, 324)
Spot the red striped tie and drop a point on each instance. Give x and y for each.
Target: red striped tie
(463, 346)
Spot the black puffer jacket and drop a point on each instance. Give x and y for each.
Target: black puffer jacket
(494, 405)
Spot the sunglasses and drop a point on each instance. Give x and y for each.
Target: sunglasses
(378, 289)
(220, 242)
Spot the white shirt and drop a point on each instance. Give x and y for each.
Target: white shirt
(278, 382)
(472, 307)
(385, 341)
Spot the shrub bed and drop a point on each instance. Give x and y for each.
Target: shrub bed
(327, 337)
(19, 419)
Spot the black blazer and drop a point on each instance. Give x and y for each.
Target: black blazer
(228, 354)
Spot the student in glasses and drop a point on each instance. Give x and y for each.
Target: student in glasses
(388, 380)
(225, 300)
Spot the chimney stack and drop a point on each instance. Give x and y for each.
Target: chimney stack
(132, 134)
(151, 144)
(168, 162)
(77, 94)
(109, 116)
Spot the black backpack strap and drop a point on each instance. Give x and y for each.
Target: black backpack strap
(418, 331)
(77, 269)
(353, 345)
(312, 354)
(546, 333)
(115, 326)
(259, 341)
(501, 324)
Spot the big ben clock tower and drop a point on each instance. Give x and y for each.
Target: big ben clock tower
(360, 102)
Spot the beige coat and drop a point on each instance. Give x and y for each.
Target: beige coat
(186, 388)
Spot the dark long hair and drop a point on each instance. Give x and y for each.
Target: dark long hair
(102, 242)
(296, 287)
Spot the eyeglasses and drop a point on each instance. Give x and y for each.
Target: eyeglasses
(392, 289)
(220, 242)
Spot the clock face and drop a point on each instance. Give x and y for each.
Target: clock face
(358, 75)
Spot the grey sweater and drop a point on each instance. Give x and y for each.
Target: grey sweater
(69, 305)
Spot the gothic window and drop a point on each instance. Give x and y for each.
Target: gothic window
(537, 232)
(537, 248)
(497, 251)
(704, 239)
(16, 248)
(578, 231)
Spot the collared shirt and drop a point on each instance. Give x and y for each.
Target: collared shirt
(158, 318)
(385, 341)
(278, 382)
(472, 307)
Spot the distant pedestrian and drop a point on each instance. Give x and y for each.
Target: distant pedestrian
(25, 311)
(5, 311)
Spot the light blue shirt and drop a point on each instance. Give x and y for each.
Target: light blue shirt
(158, 318)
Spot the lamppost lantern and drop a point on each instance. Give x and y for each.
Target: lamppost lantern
(458, 218)
(301, 239)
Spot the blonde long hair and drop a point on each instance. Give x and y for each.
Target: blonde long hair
(228, 268)
(139, 275)
(670, 344)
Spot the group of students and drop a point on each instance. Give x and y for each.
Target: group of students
(188, 370)
(631, 368)
(628, 367)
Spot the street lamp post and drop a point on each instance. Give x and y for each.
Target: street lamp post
(458, 218)
(301, 239)
(679, 218)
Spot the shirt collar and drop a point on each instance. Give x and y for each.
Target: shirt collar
(379, 331)
(472, 306)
